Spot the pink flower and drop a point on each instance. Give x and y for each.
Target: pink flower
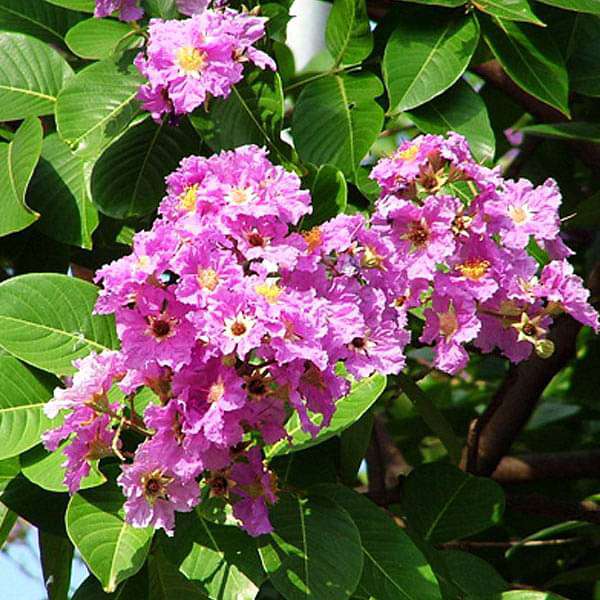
(128, 9)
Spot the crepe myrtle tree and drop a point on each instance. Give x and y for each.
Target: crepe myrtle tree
(320, 334)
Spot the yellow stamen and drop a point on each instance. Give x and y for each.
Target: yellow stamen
(270, 292)
(208, 279)
(191, 60)
(474, 268)
(187, 200)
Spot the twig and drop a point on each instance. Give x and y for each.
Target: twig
(536, 504)
(469, 545)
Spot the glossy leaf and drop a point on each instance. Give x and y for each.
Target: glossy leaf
(531, 58)
(7, 520)
(59, 191)
(336, 120)
(462, 110)
(223, 559)
(394, 568)
(252, 114)
(134, 588)
(37, 18)
(584, 55)
(315, 550)
(427, 53)
(112, 549)
(585, 6)
(589, 132)
(9, 469)
(166, 582)
(98, 38)
(348, 34)
(46, 320)
(83, 5)
(329, 194)
(434, 500)
(354, 442)
(18, 159)
(23, 394)
(98, 104)
(348, 410)
(56, 553)
(513, 10)
(45, 469)
(31, 76)
(128, 178)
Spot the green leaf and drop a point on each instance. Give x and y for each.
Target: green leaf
(45, 469)
(585, 6)
(222, 558)
(46, 320)
(37, 18)
(523, 595)
(18, 159)
(348, 33)
(513, 10)
(134, 588)
(394, 568)
(98, 104)
(531, 58)
(354, 442)
(31, 76)
(315, 550)
(9, 469)
(443, 503)
(427, 53)
(7, 521)
(584, 55)
(111, 548)
(45, 510)
(579, 130)
(56, 554)
(166, 582)
(128, 178)
(59, 191)
(83, 5)
(23, 394)
(252, 114)
(348, 410)
(165, 9)
(462, 110)
(474, 577)
(329, 193)
(336, 120)
(98, 38)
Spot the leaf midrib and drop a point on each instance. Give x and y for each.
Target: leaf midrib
(40, 24)
(27, 92)
(444, 509)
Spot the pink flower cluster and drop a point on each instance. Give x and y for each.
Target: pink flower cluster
(129, 10)
(461, 232)
(236, 318)
(189, 61)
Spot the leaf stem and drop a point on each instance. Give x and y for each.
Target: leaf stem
(432, 417)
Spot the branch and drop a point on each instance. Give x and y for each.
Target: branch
(579, 464)
(536, 504)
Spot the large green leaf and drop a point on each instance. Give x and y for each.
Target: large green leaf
(394, 568)
(252, 114)
(134, 588)
(574, 130)
(56, 553)
(9, 469)
(111, 548)
(37, 18)
(98, 104)
(427, 52)
(31, 76)
(531, 58)
(59, 191)
(336, 120)
(45, 469)
(315, 550)
(513, 10)
(22, 397)
(586, 6)
(83, 5)
(348, 410)
(166, 582)
(46, 320)
(223, 559)
(348, 34)
(18, 159)
(329, 193)
(584, 55)
(98, 38)
(128, 178)
(462, 110)
(443, 503)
